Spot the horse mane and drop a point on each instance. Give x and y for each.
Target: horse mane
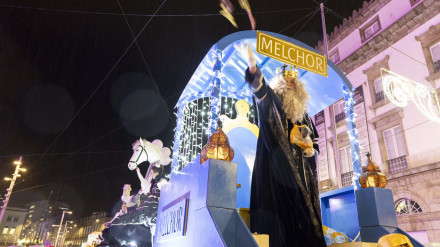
(137, 143)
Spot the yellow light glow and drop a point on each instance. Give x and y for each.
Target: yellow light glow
(22, 169)
(17, 162)
(8, 179)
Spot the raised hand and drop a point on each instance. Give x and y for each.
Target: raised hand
(247, 54)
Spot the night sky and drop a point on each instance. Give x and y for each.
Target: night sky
(74, 97)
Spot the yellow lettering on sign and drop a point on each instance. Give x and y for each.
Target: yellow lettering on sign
(277, 48)
(267, 45)
(292, 54)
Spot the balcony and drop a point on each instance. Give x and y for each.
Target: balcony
(437, 66)
(379, 96)
(339, 117)
(346, 178)
(397, 164)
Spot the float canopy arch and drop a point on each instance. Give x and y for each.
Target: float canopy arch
(323, 91)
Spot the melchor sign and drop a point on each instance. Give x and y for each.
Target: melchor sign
(291, 54)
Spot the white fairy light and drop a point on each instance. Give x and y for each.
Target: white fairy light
(400, 90)
(353, 136)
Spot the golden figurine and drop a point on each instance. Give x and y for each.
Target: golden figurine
(371, 175)
(217, 147)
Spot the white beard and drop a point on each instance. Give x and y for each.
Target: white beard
(294, 100)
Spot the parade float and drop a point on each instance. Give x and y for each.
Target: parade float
(206, 200)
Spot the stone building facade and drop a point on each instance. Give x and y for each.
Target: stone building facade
(389, 37)
(11, 225)
(39, 221)
(79, 230)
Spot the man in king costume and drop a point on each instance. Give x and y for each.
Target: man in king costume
(284, 192)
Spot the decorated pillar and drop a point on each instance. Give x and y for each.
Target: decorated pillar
(353, 135)
(215, 92)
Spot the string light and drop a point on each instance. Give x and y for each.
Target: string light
(400, 90)
(192, 131)
(198, 111)
(353, 136)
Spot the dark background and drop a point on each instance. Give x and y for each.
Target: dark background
(73, 98)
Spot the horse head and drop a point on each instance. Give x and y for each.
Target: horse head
(154, 153)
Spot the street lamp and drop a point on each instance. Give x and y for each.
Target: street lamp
(11, 186)
(61, 224)
(65, 231)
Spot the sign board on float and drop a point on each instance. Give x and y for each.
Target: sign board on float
(292, 54)
(173, 219)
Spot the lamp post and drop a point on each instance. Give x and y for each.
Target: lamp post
(65, 231)
(61, 224)
(11, 186)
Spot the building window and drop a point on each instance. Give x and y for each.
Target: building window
(334, 56)
(15, 218)
(374, 82)
(394, 142)
(406, 206)
(9, 218)
(339, 111)
(5, 230)
(430, 42)
(395, 149)
(378, 89)
(370, 29)
(435, 54)
(12, 230)
(345, 159)
(346, 165)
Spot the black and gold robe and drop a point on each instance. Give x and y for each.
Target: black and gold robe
(284, 193)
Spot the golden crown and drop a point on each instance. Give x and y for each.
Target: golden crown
(290, 72)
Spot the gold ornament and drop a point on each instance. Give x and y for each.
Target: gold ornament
(394, 239)
(217, 147)
(290, 72)
(371, 175)
(305, 143)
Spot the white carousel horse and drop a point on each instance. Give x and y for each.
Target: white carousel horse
(157, 156)
(154, 153)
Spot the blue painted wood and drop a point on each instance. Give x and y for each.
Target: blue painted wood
(377, 216)
(375, 207)
(339, 211)
(212, 219)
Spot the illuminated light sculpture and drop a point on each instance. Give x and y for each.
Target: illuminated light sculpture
(217, 147)
(371, 175)
(399, 90)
